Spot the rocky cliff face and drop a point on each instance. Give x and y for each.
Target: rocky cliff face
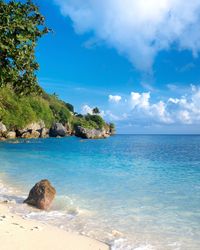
(3, 129)
(58, 129)
(91, 133)
(38, 130)
(33, 130)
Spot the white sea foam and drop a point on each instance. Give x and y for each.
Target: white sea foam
(122, 244)
(47, 216)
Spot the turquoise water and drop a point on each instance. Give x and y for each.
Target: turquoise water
(132, 191)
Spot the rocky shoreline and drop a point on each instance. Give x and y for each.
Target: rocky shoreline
(38, 130)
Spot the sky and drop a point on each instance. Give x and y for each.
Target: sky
(138, 61)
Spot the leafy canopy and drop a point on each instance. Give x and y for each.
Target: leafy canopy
(95, 111)
(21, 24)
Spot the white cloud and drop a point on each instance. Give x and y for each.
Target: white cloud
(173, 100)
(114, 98)
(141, 109)
(184, 116)
(140, 100)
(138, 29)
(86, 109)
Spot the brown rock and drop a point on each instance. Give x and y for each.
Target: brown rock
(26, 135)
(35, 126)
(31, 134)
(11, 135)
(41, 195)
(3, 129)
(90, 133)
(44, 132)
(57, 129)
(35, 134)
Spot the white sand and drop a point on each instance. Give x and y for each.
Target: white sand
(17, 233)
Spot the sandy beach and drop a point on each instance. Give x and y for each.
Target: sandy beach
(22, 234)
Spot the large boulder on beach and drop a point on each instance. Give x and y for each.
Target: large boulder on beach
(41, 195)
(58, 130)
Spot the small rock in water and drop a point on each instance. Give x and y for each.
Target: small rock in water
(5, 201)
(9, 201)
(41, 195)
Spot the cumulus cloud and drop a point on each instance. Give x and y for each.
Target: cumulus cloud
(138, 29)
(114, 98)
(86, 109)
(141, 109)
(140, 100)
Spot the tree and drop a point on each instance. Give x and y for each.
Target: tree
(112, 128)
(97, 119)
(70, 107)
(95, 111)
(21, 25)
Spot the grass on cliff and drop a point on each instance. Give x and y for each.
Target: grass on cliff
(17, 112)
(89, 121)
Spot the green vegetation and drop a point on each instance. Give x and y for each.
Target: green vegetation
(21, 24)
(89, 121)
(60, 111)
(112, 128)
(95, 111)
(16, 111)
(22, 100)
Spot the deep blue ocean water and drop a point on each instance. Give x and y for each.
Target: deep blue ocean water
(133, 191)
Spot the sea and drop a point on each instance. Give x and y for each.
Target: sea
(134, 192)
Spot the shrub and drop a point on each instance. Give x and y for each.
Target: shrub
(15, 112)
(98, 120)
(70, 107)
(18, 111)
(60, 112)
(42, 110)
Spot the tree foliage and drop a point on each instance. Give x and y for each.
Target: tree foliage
(112, 127)
(98, 120)
(70, 107)
(95, 111)
(21, 25)
(22, 100)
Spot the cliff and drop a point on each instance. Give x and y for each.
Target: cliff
(40, 116)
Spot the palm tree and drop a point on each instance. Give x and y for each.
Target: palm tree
(95, 111)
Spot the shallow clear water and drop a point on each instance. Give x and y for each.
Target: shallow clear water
(133, 191)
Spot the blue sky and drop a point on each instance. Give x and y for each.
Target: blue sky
(141, 68)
